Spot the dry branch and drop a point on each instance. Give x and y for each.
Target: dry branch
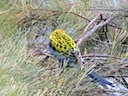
(95, 28)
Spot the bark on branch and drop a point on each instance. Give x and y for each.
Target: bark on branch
(95, 28)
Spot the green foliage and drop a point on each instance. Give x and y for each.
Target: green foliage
(8, 26)
(16, 70)
(5, 3)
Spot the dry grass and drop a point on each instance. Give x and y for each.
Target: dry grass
(24, 30)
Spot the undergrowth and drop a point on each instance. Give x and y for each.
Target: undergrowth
(25, 27)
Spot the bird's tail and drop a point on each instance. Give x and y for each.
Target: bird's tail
(100, 79)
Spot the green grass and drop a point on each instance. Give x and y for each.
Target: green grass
(23, 74)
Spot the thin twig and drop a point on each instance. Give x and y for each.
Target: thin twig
(55, 12)
(104, 56)
(94, 29)
(103, 9)
(92, 22)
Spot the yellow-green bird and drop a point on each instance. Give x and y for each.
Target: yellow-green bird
(63, 47)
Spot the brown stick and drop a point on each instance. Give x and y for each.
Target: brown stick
(94, 29)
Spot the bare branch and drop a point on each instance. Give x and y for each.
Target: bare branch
(94, 29)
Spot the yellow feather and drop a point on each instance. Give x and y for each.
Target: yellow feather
(62, 41)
